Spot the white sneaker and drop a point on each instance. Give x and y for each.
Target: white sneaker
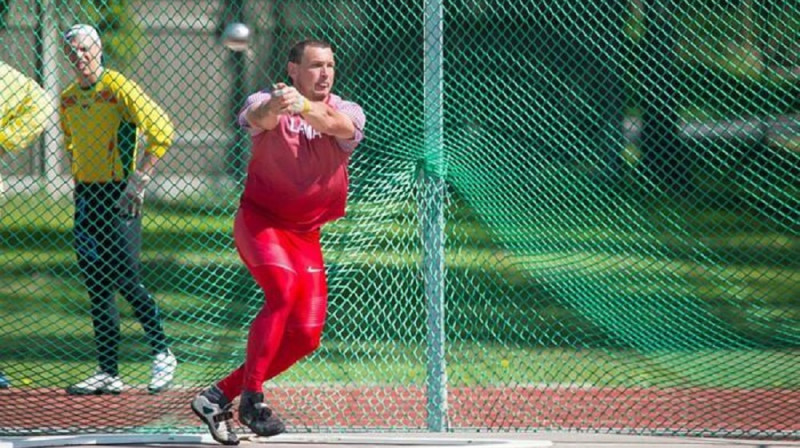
(163, 371)
(97, 384)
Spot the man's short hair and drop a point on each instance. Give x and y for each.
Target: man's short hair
(297, 50)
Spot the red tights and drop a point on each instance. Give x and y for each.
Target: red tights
(287, 328)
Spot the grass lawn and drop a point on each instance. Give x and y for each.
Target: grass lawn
(588, 314)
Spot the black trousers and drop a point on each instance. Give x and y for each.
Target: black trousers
(107, 246)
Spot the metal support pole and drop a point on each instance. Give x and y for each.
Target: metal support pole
(433, 217)
(50, 46)
(236, 152)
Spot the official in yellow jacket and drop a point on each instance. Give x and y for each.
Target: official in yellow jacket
(102, 114)
(24, 108)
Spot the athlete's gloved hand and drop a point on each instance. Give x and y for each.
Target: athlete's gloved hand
(294, 102)
(133, 197)
(300, 106)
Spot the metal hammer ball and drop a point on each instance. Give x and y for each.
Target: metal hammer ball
(236, 36)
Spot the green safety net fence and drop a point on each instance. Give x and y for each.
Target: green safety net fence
(565, 215)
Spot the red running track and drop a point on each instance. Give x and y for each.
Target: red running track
(721, 412)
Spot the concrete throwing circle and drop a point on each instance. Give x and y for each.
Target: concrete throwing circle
(283, 440)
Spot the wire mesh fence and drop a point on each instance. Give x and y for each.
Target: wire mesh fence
(565, 215)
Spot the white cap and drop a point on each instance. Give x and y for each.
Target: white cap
(82, 29)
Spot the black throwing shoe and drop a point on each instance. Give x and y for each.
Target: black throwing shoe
(254, 414)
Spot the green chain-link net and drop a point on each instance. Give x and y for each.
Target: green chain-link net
(565, 215)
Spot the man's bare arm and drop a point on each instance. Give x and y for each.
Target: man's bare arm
(322, 117)
(328, 120)
(265, 115)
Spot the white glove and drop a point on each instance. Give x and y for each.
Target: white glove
(133, 197)
(300, 104)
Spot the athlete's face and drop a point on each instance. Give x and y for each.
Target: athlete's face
(313, 75)
(85, 55)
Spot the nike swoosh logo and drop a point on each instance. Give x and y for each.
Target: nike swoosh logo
(207, 410)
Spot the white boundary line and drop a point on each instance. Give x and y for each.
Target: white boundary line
(399, 439)
(102, 439)
(326, 439)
